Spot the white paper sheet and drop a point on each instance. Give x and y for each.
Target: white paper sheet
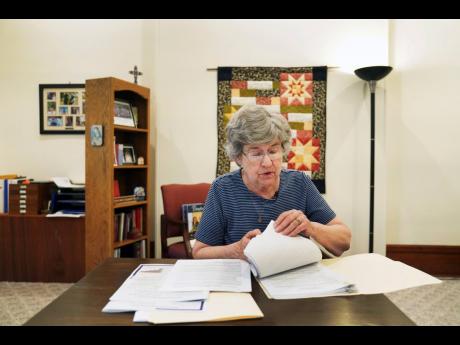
(313, 280)
(271, 252)
(126, 306)
(140, 291)
(374, 273)
(64, 182)
(230, 275)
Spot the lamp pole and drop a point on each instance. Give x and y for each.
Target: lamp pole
(372, 85)
(372, 74)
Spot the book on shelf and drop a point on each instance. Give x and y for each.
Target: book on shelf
(115, 153)
(296, 272)
(191, 215)
(116, 189)
(124, 198)
(128, 225)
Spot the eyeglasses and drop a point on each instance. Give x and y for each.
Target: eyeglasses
(258, 156)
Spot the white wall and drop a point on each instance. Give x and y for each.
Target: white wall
(186, 98)
(423, 129)
(55, 52)
(417, 117)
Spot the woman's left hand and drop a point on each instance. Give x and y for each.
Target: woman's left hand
(293, 222)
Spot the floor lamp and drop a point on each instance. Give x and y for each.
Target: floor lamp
(372, 74)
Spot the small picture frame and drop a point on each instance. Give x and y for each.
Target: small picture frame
(97, 135)
(123, 114)
(129, 157)
(62, 108)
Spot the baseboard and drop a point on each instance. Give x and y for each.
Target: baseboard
(434, 260)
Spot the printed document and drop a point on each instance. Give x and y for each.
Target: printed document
(140, 291)
(271, 252)
(232, 275)
(288, 267)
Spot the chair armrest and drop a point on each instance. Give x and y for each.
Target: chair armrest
(185, 234)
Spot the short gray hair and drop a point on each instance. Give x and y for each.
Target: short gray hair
(253, 124)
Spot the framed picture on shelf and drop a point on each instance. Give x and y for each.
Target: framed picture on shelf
(123, 114)
(62, 108)
(129, 156)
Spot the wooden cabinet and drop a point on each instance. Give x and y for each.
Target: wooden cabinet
(102, 234)
(35, 248)
(29, 198)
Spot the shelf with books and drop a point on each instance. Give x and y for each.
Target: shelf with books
(113, 175)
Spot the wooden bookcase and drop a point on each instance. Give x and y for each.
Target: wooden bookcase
(101, 240)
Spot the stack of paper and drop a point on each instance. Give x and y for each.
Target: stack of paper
(288, 267)
(181, 292)
(141, 292)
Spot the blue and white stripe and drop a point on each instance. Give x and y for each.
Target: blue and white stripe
(231, 210)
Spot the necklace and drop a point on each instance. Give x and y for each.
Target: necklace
(260, 217)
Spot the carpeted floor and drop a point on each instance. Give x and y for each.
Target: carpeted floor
(20, 301)
(430, 305)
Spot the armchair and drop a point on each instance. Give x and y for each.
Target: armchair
(174, 196)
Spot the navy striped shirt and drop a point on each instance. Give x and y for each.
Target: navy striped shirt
(231, 210)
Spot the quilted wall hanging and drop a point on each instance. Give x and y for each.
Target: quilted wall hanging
(297, 93)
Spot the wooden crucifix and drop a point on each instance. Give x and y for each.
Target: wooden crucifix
(135, 73)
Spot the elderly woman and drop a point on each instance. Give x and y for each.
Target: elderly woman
(243, 202)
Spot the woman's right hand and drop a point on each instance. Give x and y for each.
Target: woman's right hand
(237, 248)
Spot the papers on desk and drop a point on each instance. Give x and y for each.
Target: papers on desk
(288, 267)
(180, 292)
(375, 273)
(369, 274)
(141, 292)
(298, 271)
(213, 275)
(313, 280)
(221, 306)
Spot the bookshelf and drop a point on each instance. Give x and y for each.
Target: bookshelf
(105, 234)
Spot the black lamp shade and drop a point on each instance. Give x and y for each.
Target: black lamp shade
(373, 72)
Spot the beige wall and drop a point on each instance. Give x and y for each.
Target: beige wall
(186, 97)
(55, 52)
(412, 145)
(423, 132)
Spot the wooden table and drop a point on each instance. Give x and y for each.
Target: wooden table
(83, 302)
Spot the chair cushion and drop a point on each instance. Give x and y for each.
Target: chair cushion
(177, 251)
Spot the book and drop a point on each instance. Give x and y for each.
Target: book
(116, 188)
(289, 267)
(191, 215)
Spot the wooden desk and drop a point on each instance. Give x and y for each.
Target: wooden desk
(82, 304)
(35, 248)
